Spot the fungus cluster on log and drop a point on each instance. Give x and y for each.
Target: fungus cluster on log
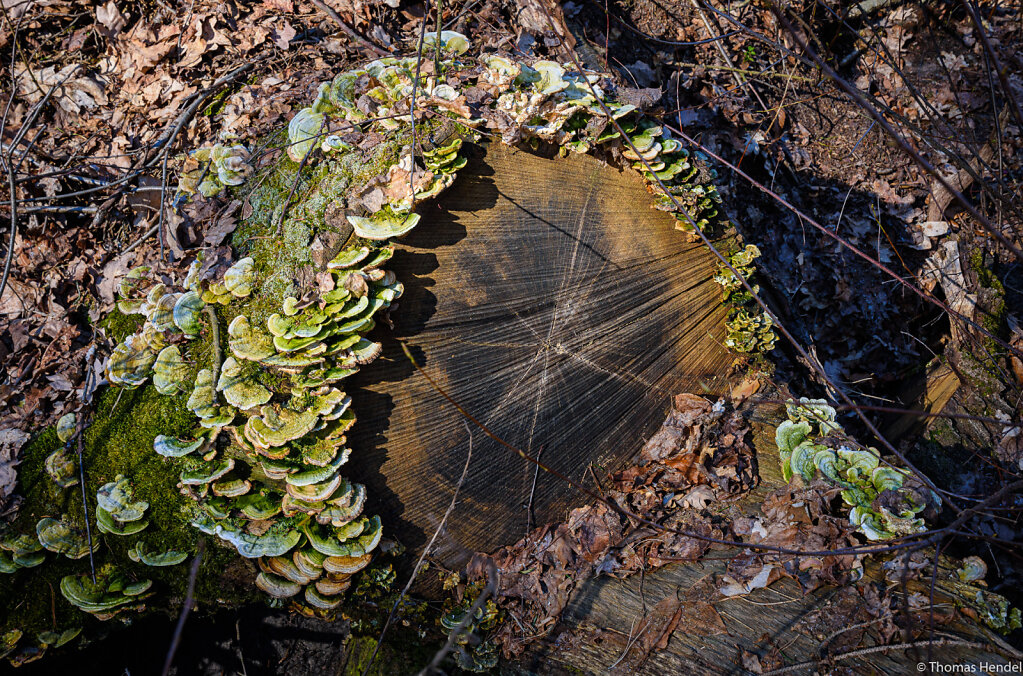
(261, 358)
(884, 501)
(274, 490)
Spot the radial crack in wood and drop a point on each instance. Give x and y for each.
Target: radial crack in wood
(550, 300)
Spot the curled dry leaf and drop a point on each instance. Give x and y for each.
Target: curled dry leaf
(11, 441)
(110, 18)
(74, 90)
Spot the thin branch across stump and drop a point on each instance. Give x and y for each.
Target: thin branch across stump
(551, 301)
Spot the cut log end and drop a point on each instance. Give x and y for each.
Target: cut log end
(560, 310)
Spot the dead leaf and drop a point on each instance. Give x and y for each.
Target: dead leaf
(324, 282)
(171, 223)
(110, 18)
(17, 298)
(283, 36)
(729, 586)
(654, 632)
(111, 274)
(224, 226)
(193, 52)
(698, 497)
(73, 90)
(146, 56)
(11, 441)
(744, 390)
(675, 432)
(750, 661)
(15, 8)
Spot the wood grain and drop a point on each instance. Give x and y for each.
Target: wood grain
(553, 303)
(607, 618)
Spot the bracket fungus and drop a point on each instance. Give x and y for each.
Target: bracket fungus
(131, 361)
(52, 639)
(62, 467)
(129, 290)
(8, 641)
(66, 427)
(884, 501)
(750, 332)
(186, 313)
(117, 510)
(816, 412)
(240, 388)
(59, 537)
(140, 554)
(46, 640)
(749, 329)
(112, 592)
(205, 473)
(973, 569)
(473, 655)
(170, 372)
(451, 43)
(208, 170)
(303, 132)
(238, 278)
(20, 551)
(248, 342)
(384, 224)
(173, 447)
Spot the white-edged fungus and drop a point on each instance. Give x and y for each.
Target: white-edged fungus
(141, 554)
(59, 537)
(239, 387)
(170, 372)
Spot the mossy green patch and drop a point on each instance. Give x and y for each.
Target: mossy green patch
(119, 326)
(118, 440)
(991, 311)
(278, 232)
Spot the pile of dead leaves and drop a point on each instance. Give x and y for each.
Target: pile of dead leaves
(691, 491)
(795, 517)
(95, 85)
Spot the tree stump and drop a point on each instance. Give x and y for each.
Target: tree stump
(550, 300)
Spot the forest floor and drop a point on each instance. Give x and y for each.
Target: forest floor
(834, 178)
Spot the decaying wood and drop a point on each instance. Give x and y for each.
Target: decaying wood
(673, 620)
(942, 197)
(550, 300)
(971, 376)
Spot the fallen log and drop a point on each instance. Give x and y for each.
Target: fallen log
(673, 619)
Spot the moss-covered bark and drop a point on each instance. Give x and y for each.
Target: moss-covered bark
(120, 432)
(119, 440)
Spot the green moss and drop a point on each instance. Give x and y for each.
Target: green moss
(280, 246)
(118, 441)
(404, 655)
(218, 102)
(119, 326)
(991, 311)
